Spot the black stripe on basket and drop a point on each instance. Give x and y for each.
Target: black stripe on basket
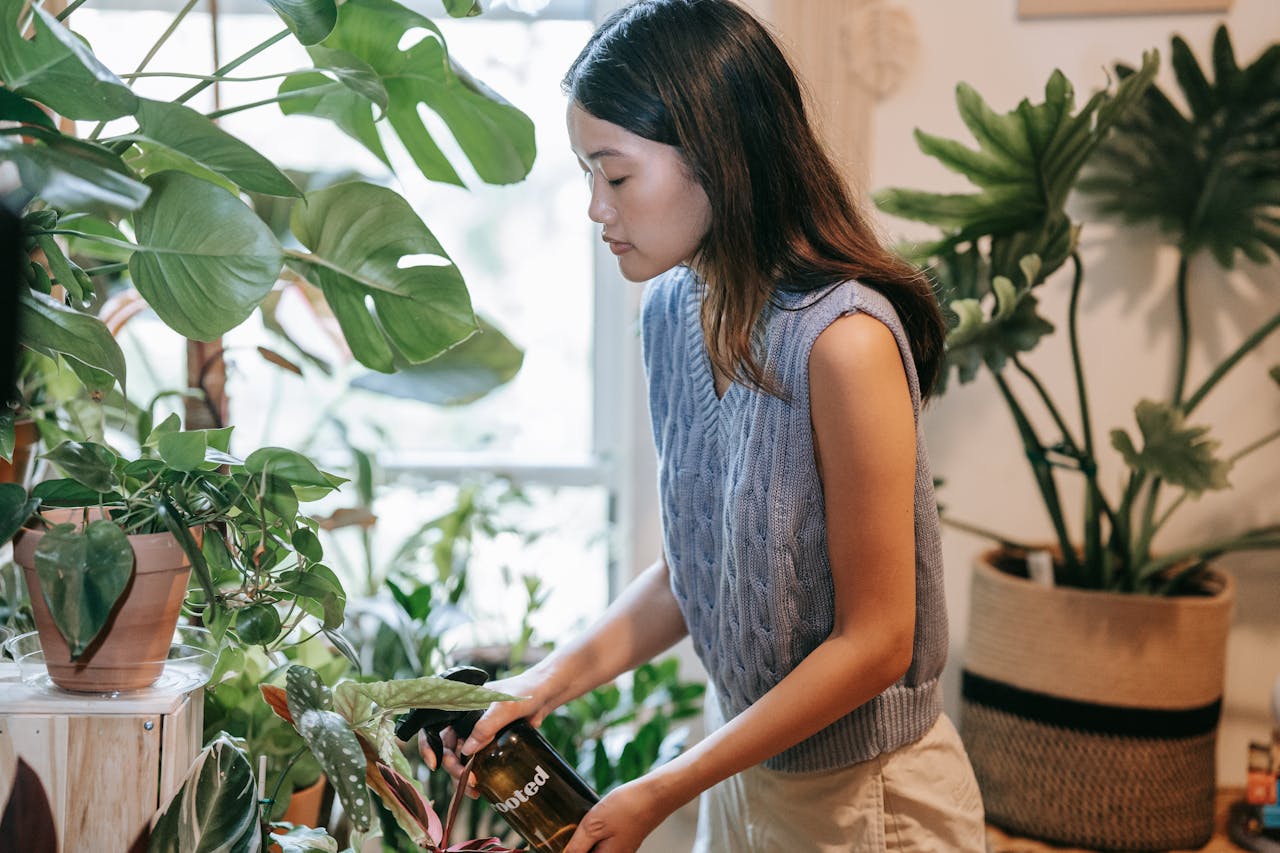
(1090, 716)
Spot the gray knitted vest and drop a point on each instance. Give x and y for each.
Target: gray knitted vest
(743, 517)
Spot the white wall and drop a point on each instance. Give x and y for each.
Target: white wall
(1127, 320)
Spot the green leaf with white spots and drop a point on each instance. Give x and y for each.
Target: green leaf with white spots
(335, 746)
(306, 691)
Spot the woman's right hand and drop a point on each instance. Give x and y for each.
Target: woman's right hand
(539, 692)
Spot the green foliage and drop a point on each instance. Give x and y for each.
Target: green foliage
(614, 735)
(173, 170)
(247, 577)
(1210, 181)
(216, 809)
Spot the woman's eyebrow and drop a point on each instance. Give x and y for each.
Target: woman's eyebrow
(605, 152)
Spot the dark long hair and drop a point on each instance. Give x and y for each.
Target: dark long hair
(706, 77)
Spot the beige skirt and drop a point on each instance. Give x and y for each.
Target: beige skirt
(922, 798)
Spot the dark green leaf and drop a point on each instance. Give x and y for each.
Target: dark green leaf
(89, 464)
(57, 69)
(215, 810)
(477, 366)
(73, 175)
(309, 20)
(307, 544)
(69, 493)
(82, 575)
(14, 107)
(258, 624)
(8, 437)
(293, 468)
(53, 329)
(15, 509)
(188, 132)
(201, 288)
(367, 239)
(462, 8)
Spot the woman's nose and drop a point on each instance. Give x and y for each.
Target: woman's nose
(599, 210)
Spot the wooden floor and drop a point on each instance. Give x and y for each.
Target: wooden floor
(1001, 842)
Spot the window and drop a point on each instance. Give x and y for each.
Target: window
(533, 264)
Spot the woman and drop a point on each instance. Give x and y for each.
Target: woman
(788, 354)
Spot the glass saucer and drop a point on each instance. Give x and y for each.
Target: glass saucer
(190, 661)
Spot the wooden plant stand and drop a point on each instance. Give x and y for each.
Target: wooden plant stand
(107, 764)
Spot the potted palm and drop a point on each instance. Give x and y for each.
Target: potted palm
(107, 551)
(1094, 665)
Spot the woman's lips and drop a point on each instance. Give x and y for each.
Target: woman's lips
(618, 248)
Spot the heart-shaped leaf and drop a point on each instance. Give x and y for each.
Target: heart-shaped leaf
(291, 467)
(309, 20)
(82, 575)
(89, 464)
(183, 451)
(201, 281)
(258, 624)
(191, 134)
(215, 810)
(15, 509)
(69, 493)
(57, 69)
(367, 242)
(51, 328)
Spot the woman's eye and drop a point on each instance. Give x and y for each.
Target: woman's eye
(616, 182)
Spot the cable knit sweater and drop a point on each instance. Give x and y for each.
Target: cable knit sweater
(743, 517)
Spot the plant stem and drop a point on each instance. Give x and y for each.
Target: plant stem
(983, 532)
(1044, 477)
(211, 78)
(1246, 346)
(1092, 521)
(107, 268)
(219, 73)
(284, 774)
(155, 48)
(286, 96)
(1261, 539)
(1184, 329)
(66, 13)
(94, 238)
(1049, 405)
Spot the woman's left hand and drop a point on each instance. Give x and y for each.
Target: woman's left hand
(620, 821)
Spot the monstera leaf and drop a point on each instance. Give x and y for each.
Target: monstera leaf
(367, 242)
(1208, 180)
(494, 136)
(1025, 164)
(57, 69)
(72, 175)
(1178, 454)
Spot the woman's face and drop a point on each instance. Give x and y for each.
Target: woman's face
(653, 212)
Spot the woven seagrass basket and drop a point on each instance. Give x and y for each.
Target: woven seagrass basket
(1091, 717)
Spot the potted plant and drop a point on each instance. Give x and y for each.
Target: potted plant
(1094, 666)
(87, 552)
(141, 201)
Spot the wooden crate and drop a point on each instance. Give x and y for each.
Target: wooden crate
(107, 764)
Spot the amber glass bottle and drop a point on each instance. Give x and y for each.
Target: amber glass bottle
(532, 787)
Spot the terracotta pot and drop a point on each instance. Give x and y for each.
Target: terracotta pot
(26, 438)
(304, 804)
(130, 651)
(1091, 717)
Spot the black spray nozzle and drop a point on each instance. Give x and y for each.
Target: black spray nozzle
(432, 721)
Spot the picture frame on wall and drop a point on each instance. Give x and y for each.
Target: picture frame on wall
(1078, 8)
